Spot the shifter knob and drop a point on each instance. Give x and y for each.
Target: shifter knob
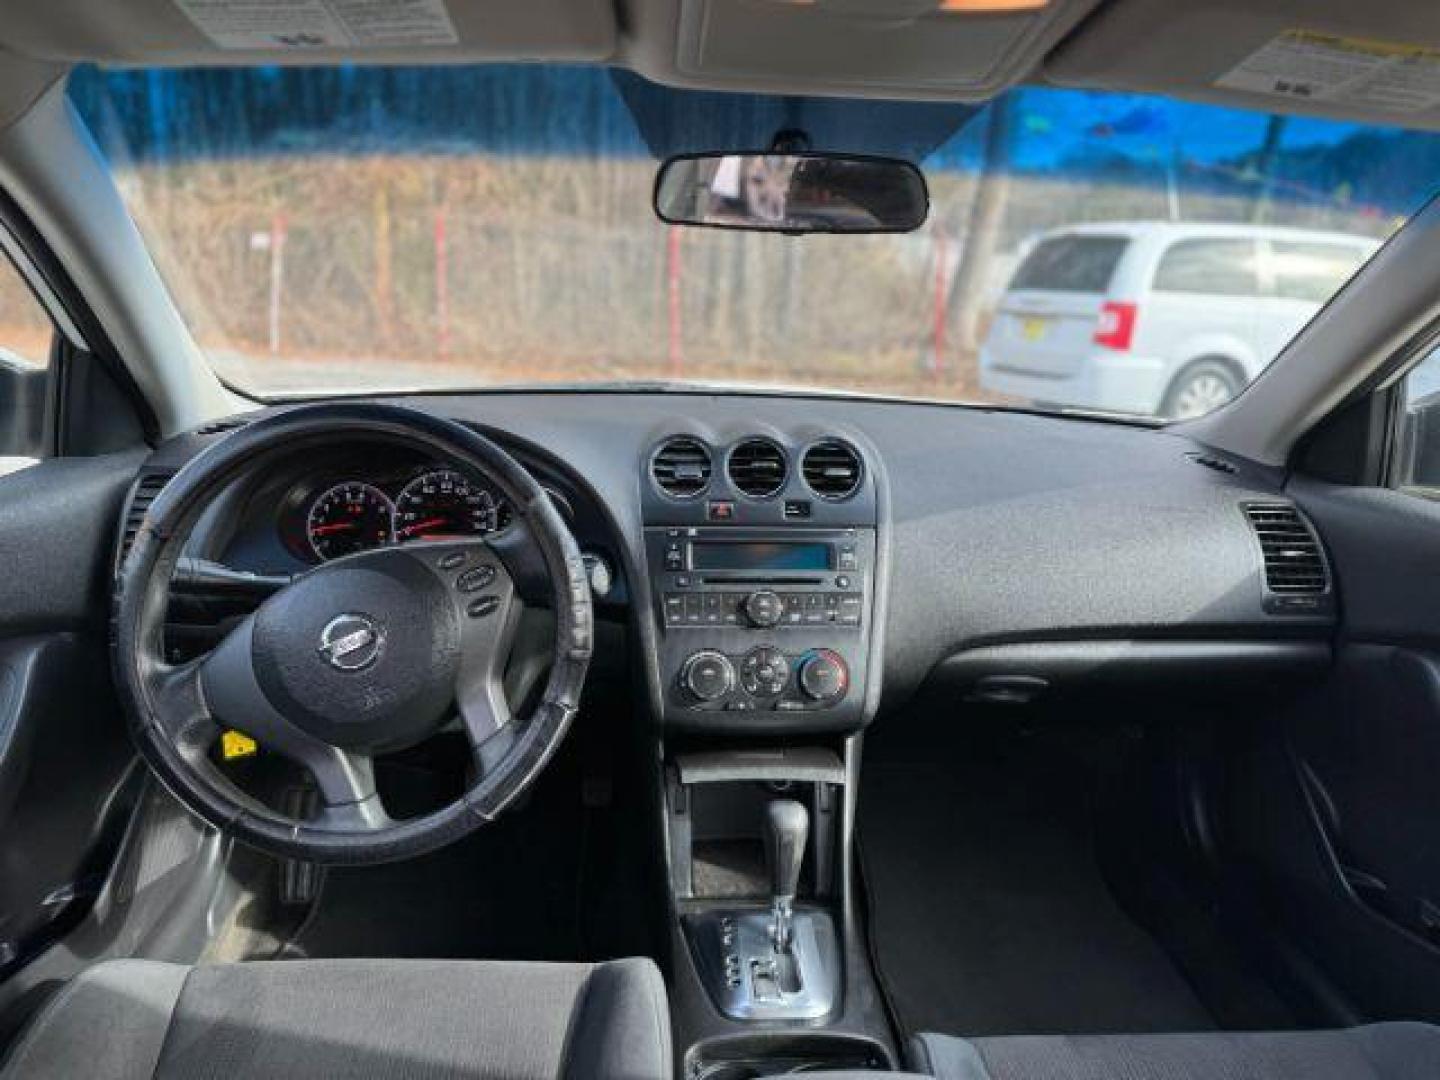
(787, 828)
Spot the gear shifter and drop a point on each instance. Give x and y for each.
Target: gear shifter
(787, 829)
(780, 964)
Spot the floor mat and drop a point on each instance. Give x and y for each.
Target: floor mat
(554, 878)
(989, 914)
(498, 894)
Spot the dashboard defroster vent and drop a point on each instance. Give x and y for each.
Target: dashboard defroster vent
(681, 467)
(757, 467)
(1294, 563)
(142, 494)
(832, 469)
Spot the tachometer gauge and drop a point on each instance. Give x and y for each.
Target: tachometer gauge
(444, 503)
(350, 517)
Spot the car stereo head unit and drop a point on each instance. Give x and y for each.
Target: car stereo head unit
(760, 622)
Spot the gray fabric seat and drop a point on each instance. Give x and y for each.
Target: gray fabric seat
(370, 1019)
(1375, 1052)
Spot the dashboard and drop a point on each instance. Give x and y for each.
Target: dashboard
(754, 545)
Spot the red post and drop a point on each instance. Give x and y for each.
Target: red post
(442, 286)
(942, 291)
(673, 272)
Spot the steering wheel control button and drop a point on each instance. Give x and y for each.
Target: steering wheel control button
(476, 578)
(823, 676)
(482, 606)
(764, 671)
(764, 608)
(707, 676)
(451, 560)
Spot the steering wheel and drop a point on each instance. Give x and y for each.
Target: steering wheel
(370, 652)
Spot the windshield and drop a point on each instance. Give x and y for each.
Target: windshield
(355, 229)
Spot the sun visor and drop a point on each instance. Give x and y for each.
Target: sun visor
(198, 32)
(1377, 62)
(942, 49)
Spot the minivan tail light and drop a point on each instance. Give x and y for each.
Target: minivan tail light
(1115, 328)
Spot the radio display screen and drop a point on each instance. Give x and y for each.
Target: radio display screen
(756, 555)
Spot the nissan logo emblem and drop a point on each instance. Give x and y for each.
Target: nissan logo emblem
(351, 642)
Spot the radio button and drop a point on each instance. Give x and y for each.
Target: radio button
(674, 609)
(764, 608)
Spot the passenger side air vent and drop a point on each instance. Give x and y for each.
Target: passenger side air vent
(682, 467)
(757, 467)
(832, 469)
(142, 494)
(1294, 563)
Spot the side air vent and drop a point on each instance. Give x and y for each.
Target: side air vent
(682, 467)
(757, 467)
(832, 469)
(142, 494)
(1294, 564)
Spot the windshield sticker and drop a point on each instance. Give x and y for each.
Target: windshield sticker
(1305, 66)
(318, 24)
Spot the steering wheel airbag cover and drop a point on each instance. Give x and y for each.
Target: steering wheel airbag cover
(393, 685)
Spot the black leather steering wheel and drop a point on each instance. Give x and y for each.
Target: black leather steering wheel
(372, 651)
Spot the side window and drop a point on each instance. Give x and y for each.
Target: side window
(1416, 464)
(1311, 271)
(1211, 267)
(26, 334)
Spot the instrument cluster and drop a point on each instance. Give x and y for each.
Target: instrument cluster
(328, 518)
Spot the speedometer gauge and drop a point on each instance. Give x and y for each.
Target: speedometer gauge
(444, 503)
(350, 517)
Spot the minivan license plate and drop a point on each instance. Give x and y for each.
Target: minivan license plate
(1034, 329)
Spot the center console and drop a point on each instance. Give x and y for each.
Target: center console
(765, 571)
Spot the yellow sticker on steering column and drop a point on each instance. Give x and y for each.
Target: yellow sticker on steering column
(234, 744)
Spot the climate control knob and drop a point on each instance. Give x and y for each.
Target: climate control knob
(823, 675)
(707, 675)
(764, 608)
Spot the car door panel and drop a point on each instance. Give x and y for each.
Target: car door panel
(65, 759)
(1340, 810)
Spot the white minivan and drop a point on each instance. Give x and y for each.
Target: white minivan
(1158, 318)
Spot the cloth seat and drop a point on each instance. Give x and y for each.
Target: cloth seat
(355, 1019)
(1397, 1051)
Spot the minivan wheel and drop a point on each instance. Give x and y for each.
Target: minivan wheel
(1201, 388)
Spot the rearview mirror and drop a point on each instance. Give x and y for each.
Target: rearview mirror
(792, 193)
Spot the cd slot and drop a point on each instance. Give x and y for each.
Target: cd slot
(768, 579)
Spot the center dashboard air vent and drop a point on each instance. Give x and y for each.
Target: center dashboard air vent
(758, 468)
(832, 469)
(1294, 564)
(681, 467)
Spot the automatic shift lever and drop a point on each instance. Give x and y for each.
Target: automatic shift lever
(788, 826)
